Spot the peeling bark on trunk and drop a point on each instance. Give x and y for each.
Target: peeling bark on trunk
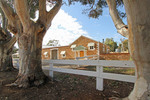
(138, 16)
(30, 71)
(6, 59)
(29, 37)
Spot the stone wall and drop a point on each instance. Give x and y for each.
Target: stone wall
(115, 56)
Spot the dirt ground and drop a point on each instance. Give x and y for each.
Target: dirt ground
(63, 87)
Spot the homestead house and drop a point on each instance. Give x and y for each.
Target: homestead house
(81, 47)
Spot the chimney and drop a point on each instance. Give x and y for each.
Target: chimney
(103, 41)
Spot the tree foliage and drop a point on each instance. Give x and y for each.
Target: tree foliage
(32, 5)
(96, 7)
(15, 49)
(123, 46)
(111, 43)
(53, 43)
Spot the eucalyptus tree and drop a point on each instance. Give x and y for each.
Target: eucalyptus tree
(29, 36)
(7, 42)
(111, 43)
(53, 43)
(137, 31)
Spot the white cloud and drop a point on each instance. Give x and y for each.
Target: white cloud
(64, 28)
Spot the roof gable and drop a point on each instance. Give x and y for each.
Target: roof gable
(77, 40)
(81, 38)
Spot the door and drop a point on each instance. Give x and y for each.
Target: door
(54, 54)
(81, 53)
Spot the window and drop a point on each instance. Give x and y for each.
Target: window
(46, 54)
(63, 54)
(91, 46)
(73, 46)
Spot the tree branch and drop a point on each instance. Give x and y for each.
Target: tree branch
(23, 13)
(120, 26)
(42, 10)
(3, 19)
(51, 14)
(11, 42)
(10, 15)
(46, 17)
(4, 23)
(8, 11)
(3, 35)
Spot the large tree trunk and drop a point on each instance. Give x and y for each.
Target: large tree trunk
(30, 71)
(138, 16)
(29, 36)
(6, 45)
(5, 59)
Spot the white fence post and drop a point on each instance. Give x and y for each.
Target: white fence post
(99, 78)
(99, 74)
(135, 72)
(18, 64)
(51, 70)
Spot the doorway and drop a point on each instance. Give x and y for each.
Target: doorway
(81, 53)
(54, 54)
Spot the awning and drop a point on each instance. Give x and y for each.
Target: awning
(45, 53)
(80, 48)
(73, 46)
(62, 52)
(90, 44)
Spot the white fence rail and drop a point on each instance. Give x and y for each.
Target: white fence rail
(16, 62)
(88, 57)
(99, 74)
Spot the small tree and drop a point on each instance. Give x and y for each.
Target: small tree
(124, 45)
(53, 43)
(111, 43)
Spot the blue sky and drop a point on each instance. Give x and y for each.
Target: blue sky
(98, 29)
(70, 23)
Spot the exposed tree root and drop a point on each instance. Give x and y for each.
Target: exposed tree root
(8, 69)
(116, 98)
(29, 81)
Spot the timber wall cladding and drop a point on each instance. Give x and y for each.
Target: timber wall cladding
(115, 56)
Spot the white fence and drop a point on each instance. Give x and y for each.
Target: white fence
(91, 57)
(99, 74)
(16, 62)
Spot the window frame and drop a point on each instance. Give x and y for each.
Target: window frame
(91, 48)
